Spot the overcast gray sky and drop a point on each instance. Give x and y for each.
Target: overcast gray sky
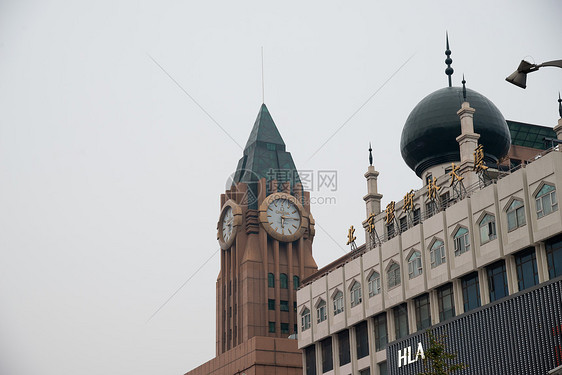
(110, 175)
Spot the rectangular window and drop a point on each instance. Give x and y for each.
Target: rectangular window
(444, 200)
(327, 361)
(365, 371)
(310, 360)
(423, 314)
(526, 265)
(383, 369)
(470, 291)
(381, 332)
(390, 231)
(284, 305)
(497, 280)
(554, 257)
(417, 216)
(321, 312)
(446, 302)
(401, 320)
(271, 304)
(430, 208)
(362, 336)
(487, 228)
(343, 343)
(403, 224)
(284, 327)
(271, 327)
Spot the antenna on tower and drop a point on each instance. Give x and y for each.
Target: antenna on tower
(262, 79)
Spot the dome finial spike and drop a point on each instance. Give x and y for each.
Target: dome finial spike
(559, 105)
(463, 88)
(449, 71)
(370, 154)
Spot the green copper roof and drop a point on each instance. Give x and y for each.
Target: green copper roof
(529, 135)
(265, 155)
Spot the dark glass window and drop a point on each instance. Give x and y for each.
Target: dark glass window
(283, 281)
(417, 216)
(526, 265)
(338, 303)
(403, 224)
(446, 302)
(327, 360)
(356, 294)
(284, 327)
(381, 332)
(310, 360)
(554, 257)
(401, 320)
(296, 282)
(546, 201)
(321, 314)
(445, 199)
(365, 371)
(271, 304)
(515, 215)
(270, 280)
(343, 343)
(305, 319)
(272, 327)
(393, 274)
(362, 336)
(462, 241)
(390, 230)
(470, 291)
(414, 265)
(284, 305)
(423, 314)
(487, 228)
(437, 253)
(430, 208)
(383, 369)
(497, 280)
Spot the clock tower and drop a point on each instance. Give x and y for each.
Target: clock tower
(265, 231)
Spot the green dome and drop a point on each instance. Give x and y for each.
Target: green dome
(429, 135)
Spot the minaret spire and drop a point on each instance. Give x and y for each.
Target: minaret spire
(559, 105)
(449, 71)
(371, 154)
(463, 88)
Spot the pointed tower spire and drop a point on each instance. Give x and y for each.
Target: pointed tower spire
(370, 154)
(463, 88)
(449, 71)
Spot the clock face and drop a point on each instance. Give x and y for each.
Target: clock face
(283, 217)
(227, 224)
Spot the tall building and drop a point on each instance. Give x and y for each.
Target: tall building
(265, 231)
(475, 255)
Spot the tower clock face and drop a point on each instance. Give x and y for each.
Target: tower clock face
(283, 217)
(227, 224)
(229, 221)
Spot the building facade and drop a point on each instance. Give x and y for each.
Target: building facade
(475, 255)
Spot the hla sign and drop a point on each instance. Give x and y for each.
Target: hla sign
(405, 355)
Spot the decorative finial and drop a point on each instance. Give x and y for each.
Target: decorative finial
(449, 71)
(559, 105)
(371, 154)
(463, 88)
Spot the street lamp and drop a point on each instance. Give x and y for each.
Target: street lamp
(519, 77)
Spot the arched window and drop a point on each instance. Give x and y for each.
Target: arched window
(283, 281)
(546, 201)
(393, 274)
(296, 282)
(374, 284)
(487, 228)
(437, 253)
(462, 241)
(414, 264)
(305, 319)
(270, 280)
(515, 215)
(355, 294)
(338, 302)
(321, 311)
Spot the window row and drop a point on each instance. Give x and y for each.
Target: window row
(283, 281)
(526, 272)
(545, 203)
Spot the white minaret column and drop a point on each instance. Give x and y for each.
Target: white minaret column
(558, 128)
(468, 141)
(373, 198)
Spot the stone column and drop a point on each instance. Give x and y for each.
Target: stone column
(373, 198)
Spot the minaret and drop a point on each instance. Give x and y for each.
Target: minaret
(449, 71)
(373, 198)
(468, 140)
(558, 128)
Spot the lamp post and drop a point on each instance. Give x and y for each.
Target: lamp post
(519, 77)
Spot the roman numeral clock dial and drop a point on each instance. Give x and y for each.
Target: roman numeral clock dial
(282, 216)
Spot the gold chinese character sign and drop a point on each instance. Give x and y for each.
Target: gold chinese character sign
(409, 201)
(433, 189)
(389, 212)
(479, 159)
(454, 176)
